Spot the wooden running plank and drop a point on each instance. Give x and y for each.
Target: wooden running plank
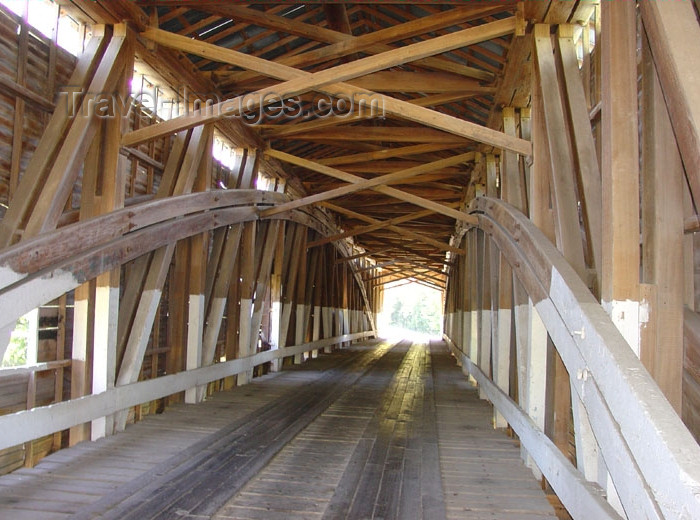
(397, 434)
(154, 440)
(481, 468)
(203, 478)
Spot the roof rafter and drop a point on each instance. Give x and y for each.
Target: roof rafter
(376, 183)
(410, 234)
(299, 82)
(373, 227)
(343, 44)
(359, 183)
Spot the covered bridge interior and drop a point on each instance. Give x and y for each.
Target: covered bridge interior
(201, 203)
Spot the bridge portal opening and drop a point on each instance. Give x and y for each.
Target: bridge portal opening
(411, 310)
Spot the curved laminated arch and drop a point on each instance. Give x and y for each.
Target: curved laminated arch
(38, 270)
(633, 422)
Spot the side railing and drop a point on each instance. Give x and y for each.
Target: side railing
(43, 268)
(31, 424)
(38, 270)
(632, 447)
(29, 378)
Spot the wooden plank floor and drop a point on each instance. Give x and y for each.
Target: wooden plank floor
(375, 431)
(483, 476)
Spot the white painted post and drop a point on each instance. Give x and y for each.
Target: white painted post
(316, 334)
(247, 252)
(244, 336)
(346, 321)
(104, 363)
(195, 331)
(275, 317)
(339, 323)
(299, 331)
(327, 327)
(536, 382)
(484, 360)
(79, 356)
(502, 359)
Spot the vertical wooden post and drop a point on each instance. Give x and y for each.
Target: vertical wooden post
(336, 297)
(276, 294)
(619, 273)
(110, 194)
(195, 312)
(515, 193)
(300, 322)
(620, 169)
(81, 353)
(345, 306)
(247, 254)
(199, 247)
(522, 308)
(105, 345)
(318, 282)
(84, 296)
(465, 292)
(233, 316)
(483, 270)
(327, 309)
(489, 289)
(177, 322)
(31, 403)
(474, 298)
(452, 317)
(60, 355)
(308, 292)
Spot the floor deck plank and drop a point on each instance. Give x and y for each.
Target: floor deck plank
(388, 430)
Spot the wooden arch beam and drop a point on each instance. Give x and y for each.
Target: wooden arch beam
(32, 278)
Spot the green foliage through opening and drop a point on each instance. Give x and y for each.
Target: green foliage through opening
(414, 307)
(16, 354)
